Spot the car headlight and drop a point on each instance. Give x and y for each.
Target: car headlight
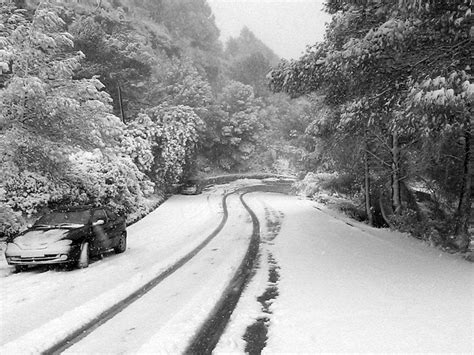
(12, 248)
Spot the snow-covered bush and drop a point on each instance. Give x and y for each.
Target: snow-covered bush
(10, 221)
(330, 183)
(29, 191)
(176, 135)
(138, 142)
(162, 141)
(312, 183)
(90, 178)
(112, 180)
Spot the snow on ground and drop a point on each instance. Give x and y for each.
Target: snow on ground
(174, 336)
(349, 288)
(39, 296)
(248, 308)
(167, 317)
(341, 288)
(43, 305)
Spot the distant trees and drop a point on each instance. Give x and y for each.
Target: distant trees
(236, 128)
(396, 75)
(192, 27)
(175, 138)
(249, 61)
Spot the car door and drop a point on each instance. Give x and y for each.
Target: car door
(102, 233)
(116, 225)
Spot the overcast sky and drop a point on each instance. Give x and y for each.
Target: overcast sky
(286, 26)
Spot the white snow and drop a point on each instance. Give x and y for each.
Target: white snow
(174, 336)
(342, 288)
(37, 305)
(248, 309)
(359, 289)
(167, 317)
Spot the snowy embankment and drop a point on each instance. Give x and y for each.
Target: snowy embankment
(351, 288)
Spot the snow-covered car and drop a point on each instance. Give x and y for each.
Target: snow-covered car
(69, 235)
(191, 187)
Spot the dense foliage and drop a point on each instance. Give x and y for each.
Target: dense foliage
(249, 61)
(396, 76)
(114, 102)
(60, 139)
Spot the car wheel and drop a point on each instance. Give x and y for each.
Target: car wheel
(122, 244)
(84, 256)
(20, 268)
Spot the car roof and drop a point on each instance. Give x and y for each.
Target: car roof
(76, 208)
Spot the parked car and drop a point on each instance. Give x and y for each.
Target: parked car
(191, 187)
(69, 235)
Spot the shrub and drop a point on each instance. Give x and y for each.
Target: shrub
(313, 183)
(343, 184)
(11, 222)
(408, 221)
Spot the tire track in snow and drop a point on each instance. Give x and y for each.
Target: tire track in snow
(256, 334)
(209, 334)
(109, 313)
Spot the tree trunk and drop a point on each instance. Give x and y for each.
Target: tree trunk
(463, 220)
(471, 174)
(122, 112)
(396, 200)
(368, 208)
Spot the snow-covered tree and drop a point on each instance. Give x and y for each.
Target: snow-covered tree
(47, 116)
(395, 74)
(236, 129)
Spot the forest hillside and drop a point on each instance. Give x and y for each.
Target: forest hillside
(117, 101)
(396, 77)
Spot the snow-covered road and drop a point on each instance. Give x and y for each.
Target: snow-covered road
(320, 285)
(171, 310)
(351, 288)
(33, 298)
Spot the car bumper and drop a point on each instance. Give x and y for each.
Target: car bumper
(57, 255)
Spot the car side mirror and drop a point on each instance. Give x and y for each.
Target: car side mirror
(98, 222)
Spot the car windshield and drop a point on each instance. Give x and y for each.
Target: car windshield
(64, 218)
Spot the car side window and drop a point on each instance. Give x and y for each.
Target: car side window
(99, 214)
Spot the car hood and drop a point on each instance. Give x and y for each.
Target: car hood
(41, 238)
